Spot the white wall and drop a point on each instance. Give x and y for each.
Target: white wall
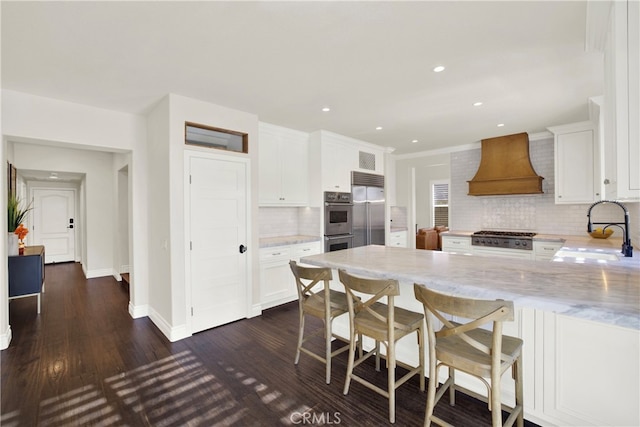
(158, 225)
(121, 197)
(5, 329)
(47, 119)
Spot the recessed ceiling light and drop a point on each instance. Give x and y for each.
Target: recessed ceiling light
(500, 125)
(438, 69)
(379, 128)
(326, 109)
(414, 141)
(477, 104)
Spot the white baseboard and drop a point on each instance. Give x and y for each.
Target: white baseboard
(124, 268)
(173, 333)
(256, 310)
(102, 272)
(5, 338)
(138, 311)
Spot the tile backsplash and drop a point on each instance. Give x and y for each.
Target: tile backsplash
(537, 213)
(289, 221)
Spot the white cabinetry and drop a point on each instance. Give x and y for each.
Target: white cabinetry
(456, 244)
(335, 156)
(283, 166)
(277, 285)
(338, 160)
(502, 253)
(608, 355)
(621, 102)
(398, 239)
(576, 167)
(544, 251)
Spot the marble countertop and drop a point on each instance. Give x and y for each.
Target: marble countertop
(596, 292)
(268, 242)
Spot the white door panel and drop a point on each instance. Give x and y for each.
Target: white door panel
(54, 223)
(218, 226)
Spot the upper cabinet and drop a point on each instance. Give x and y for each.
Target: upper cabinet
(621, 112)
(338, 156)
(283, 166)
(576, 167)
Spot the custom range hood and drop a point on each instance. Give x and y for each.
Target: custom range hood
(505, 168)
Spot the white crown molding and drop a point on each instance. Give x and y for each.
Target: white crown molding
(538, 136)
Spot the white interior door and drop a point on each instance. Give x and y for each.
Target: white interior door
(54, 223)
(218, 227)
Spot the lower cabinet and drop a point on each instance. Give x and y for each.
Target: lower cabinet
(542, 251)
(503, 253)
(589, 373)
(277, 285)
(456, 244)
(398, 239)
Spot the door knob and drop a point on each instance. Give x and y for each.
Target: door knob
(243, 249)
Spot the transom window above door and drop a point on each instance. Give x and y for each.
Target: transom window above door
(212, 137)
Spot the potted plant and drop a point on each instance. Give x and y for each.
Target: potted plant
(16, 214)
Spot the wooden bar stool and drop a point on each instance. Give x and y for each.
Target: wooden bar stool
(315, 302)
(386, 324)
(469, 348)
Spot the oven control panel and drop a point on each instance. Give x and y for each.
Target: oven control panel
(337, 197)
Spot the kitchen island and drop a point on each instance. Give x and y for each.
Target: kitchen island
(580, 324)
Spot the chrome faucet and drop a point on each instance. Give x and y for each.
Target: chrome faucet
(627, 249)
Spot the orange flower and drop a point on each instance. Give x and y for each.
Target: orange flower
(21, 231)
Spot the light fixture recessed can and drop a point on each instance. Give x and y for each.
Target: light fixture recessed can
(379, 128)
(326, 109)
(414, 141)
(500, 125)
(477, 104)
(438, 69)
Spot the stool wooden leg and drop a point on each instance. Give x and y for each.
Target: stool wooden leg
(495, 399)
(300, 334)
(519, 390)
(327, 346)
(391, 380)
(431, 390)
(352, 355)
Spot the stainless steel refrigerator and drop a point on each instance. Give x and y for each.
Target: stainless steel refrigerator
(368, 215)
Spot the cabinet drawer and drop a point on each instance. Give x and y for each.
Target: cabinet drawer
(307, 249)
(456, 243)
(275, 253)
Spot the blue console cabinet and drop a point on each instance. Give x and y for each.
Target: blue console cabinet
(26, 273)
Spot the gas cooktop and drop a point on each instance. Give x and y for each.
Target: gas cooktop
(504, 233)
(503, 239)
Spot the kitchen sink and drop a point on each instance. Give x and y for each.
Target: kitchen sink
(587, 255)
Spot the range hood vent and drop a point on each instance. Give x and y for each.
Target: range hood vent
(505, 168)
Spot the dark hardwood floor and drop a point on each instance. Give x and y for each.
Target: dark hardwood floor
(84, 361)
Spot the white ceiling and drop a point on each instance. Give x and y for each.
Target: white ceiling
(371, 62)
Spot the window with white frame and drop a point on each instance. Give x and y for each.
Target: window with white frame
(440, 203)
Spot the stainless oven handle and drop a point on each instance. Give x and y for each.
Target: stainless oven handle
(341, 236)
(337, 204)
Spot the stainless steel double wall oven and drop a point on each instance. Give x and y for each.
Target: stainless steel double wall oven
(338, 221)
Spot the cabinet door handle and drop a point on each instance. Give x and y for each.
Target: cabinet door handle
(242, 249)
